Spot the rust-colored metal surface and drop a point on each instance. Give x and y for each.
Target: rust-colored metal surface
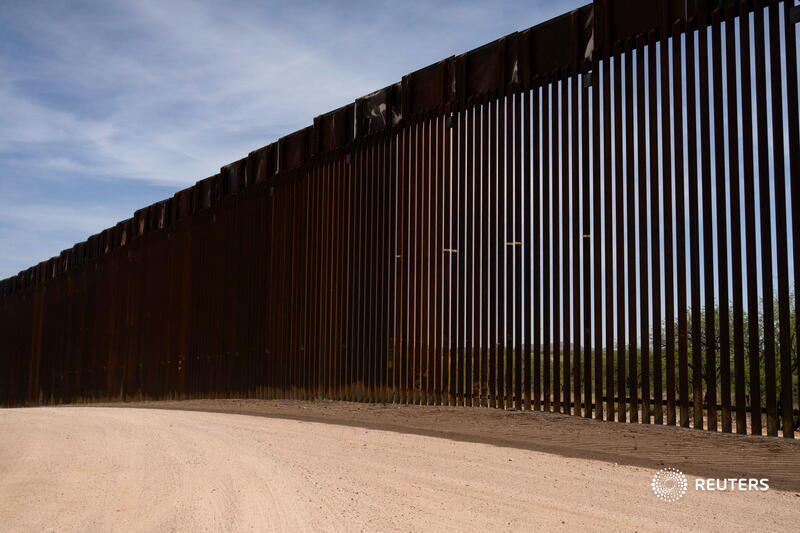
(597, 216)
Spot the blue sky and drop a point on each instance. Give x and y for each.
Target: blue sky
(106, 107)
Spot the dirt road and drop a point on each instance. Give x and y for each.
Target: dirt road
(344, 467)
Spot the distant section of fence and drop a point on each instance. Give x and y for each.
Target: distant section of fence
(596, 216)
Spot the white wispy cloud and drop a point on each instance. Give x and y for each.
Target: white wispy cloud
(145, 95)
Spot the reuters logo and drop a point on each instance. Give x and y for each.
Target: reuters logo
(669, 484)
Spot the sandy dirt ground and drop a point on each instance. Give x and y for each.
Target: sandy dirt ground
(253, 465)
